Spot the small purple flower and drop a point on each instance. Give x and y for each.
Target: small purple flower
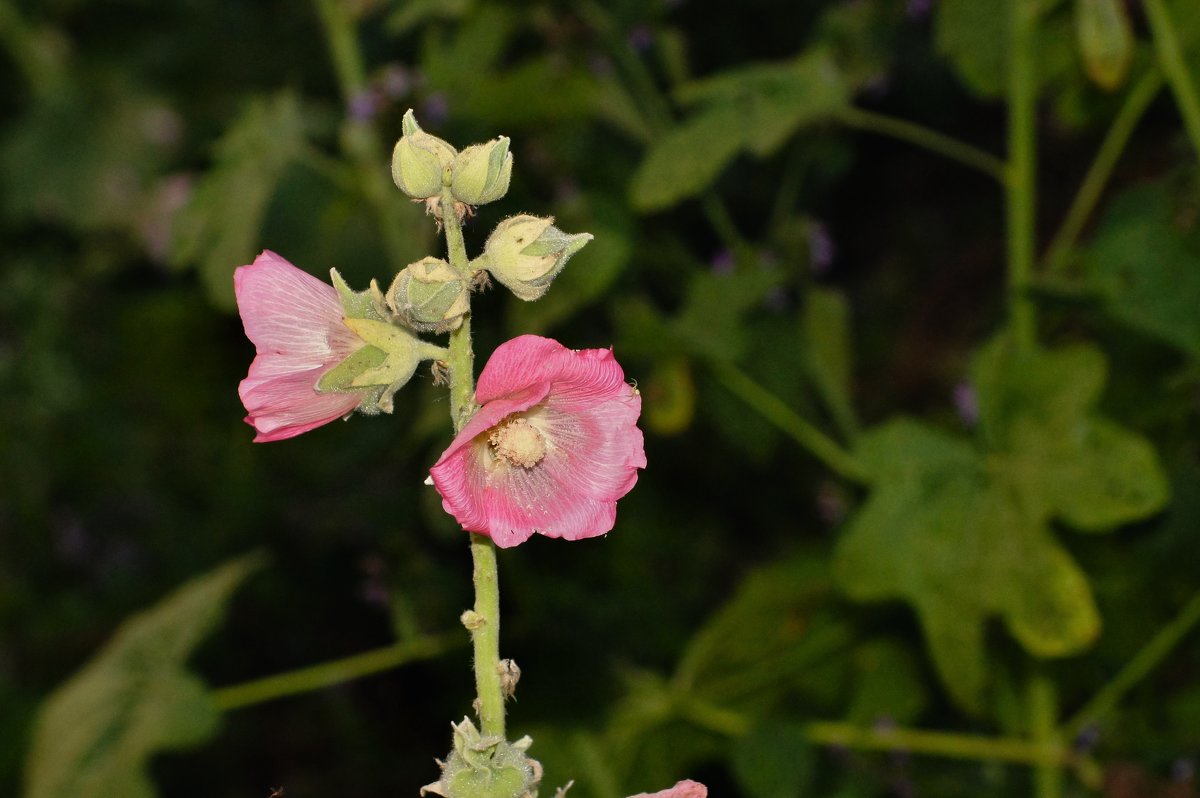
(821, 249)
(363, 106)
(966, 402)
(396, 81)
(918, 9)
(1087, 739)
(722, 263)
(641, 38)
(1183, 771)
(776, 300)
(435, 110)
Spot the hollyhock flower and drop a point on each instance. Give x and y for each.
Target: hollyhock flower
(552, 447)
(295, 323)
(682, 789)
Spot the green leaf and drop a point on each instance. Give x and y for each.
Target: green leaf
(963, 532)
(219, 227)
(756, 108)
(685, 161)
(710, 324)
(974, 37)
(1143, 262)
(774, 760)
(769, 638)
(887, 685)
(95, 734)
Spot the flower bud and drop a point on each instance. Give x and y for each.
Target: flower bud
(481, 172)
(420, 160)
(429, 296)
(526, 253)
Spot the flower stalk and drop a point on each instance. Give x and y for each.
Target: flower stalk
(483, 622)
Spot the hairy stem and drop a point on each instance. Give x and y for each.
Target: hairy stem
(484, 621)
(1136, 102)
(327, 674)
(1022, 170)
(1170, 58)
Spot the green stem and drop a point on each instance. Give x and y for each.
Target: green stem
(1137, 669)
(773, 409)
(484, 621)
(951, 746)
(327, 674)
(1043, 718)
(1136, 102)
(462, 358)
(925, 138)
(360, 139)
(1022, 170)
(1170, 58)
(341, 36)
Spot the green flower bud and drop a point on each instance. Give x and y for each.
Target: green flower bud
(481, 172)
(429, 296)
(1105, 40)
(526, 253)
(419, 161)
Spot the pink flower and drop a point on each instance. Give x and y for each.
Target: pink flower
(295, 323)
(551, 449)
(682, 789)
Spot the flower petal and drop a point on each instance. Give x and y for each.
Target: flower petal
(682, 789)
(285, 406)
(288, 311)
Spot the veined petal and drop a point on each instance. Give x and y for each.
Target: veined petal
(286, 406)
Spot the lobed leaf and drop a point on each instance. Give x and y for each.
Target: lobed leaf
(94, 735)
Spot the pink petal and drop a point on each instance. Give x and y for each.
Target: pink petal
(517, 364)
(286, 406)
(682, 789)
(288, 311)
(295, 323)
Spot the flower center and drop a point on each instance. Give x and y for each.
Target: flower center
(518, 442)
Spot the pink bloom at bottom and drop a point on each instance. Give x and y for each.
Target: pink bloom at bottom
(295, 323)
(551, 449)
(682, 789)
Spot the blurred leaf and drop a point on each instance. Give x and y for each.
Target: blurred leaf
(887, 685)
(95, 734)
(87, 156)
(766, 638)
(829, 351)
(974, 36)
(669, 397)
(415, 13)
(686, 160)
(774, 760)
(963, 533)
(1143, 261)
(710, 323)
(756, 108)
(219, 228)
(1105, 40)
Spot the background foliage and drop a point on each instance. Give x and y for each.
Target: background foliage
(853, 567)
